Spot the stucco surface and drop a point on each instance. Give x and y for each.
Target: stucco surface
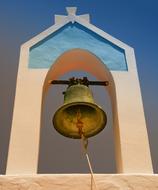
(79, 182)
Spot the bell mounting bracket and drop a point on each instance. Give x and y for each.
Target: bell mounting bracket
(84, 81)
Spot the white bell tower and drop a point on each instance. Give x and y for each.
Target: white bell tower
(59, 50)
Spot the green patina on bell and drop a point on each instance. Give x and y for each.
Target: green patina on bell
(79, 107)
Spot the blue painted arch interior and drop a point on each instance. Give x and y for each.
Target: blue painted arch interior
(44, 53)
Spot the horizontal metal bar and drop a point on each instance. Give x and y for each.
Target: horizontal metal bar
(101, 83)
(67, 82)
(60, 82)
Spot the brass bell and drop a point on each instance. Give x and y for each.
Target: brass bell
(79, 113)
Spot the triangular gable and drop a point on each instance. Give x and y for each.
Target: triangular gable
(76, 32)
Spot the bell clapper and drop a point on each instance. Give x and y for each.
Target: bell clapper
(84, 142)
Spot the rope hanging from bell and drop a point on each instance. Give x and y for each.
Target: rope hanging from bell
(84, 140)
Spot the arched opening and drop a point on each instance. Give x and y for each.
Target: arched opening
(59, 154)
(84, 61)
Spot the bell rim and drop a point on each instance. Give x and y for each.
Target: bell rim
(93, 105)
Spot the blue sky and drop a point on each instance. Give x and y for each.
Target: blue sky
(134, 22)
